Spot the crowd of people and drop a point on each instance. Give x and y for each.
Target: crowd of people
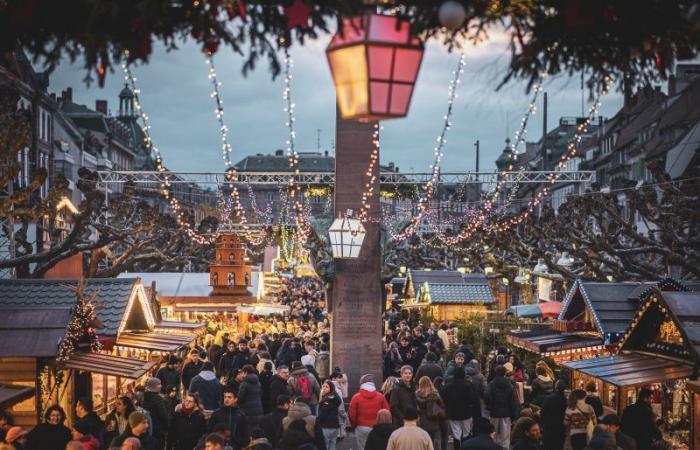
(271, 391)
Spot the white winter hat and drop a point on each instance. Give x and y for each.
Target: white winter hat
(308, 360)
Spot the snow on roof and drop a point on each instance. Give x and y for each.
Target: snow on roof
(187, 284)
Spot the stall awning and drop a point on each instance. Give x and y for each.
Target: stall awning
(205, 308)
(550, 341)
(631, 369)
(109, 365)
(264, 308)
(170, 325)
(157, 342)
(11, 394)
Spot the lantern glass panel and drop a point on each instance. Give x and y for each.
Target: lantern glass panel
(406, 64)
(350, 70)
(383, 28)
(380, 59)
(400, 96)
(380, 97)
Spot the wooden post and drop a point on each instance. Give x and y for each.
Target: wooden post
(356, 318)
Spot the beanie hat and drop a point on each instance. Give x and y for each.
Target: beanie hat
(296, 365)
(82, 427)
(153, 384)
(135, 418)
(367, 378)
(13, 434)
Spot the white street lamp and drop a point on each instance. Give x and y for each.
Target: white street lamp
(346, 236)
(540, 266)
(565, 260)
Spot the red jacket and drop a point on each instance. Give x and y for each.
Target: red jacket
(90, 442)
(364, 407)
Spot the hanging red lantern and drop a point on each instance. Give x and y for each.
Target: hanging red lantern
(374, 63)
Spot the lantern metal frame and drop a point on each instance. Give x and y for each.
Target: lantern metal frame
(340, 228)
(367, 43)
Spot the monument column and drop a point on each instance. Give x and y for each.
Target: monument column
(356, 313)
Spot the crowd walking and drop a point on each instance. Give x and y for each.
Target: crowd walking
(278, 391)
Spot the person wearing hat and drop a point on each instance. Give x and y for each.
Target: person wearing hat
(138, 428)
(364, 407)
(612, 424)
(16, 436)
(304, 385)
(81, 433)
(170, 373)
(156, 405)
(192, 368)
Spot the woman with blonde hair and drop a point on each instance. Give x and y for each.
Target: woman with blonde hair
(431, 410)
(388, 387)
(378, 438)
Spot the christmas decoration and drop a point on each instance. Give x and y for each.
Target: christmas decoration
(374, 60)
(297, 14)
(452, 15)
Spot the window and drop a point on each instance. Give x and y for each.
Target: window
(44, 125)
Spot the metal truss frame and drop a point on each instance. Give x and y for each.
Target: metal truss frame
(107, 178)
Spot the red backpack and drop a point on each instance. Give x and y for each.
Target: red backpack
(303, 386)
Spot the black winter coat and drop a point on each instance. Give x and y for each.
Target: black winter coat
(328, 412)
(278, 386)
(461, 400)
(596, 404)
(226, 363)
(272, 425)
(639, 422)
(236, 421)
(244, 358)
(250, 396)
(156, 405)
(185, 430)
(500, 398)
(189, 371)
(378, 438)
(428, 369)
(526, 444)
(265, 379)
(168, 376)
(147, 442)
(553, 412)
(209, 390)
(541, 387)
(95, 425)
(46, 436)
(481, 442)
(402, 398)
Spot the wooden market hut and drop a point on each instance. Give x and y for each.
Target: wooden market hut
(592, 320)
(32, 337)
(694, 388)
(661, 350)
(128, 329)
(447, 295)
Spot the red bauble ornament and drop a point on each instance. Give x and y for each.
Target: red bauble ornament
(298, 14)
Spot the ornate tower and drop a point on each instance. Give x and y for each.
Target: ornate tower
(126, 103)
(230, 274)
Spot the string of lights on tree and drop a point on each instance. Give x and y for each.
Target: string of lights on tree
(431, 185)
(508, 223)
(175, 206)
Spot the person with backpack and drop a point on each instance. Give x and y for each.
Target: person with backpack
(431, 410)
(577, 417)
(462, 405)
(304, 385)
(502, 405)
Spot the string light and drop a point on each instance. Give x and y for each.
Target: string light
(368, 193)
(431, 185)
(175, 206)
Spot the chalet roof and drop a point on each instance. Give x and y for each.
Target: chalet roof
(11, 394)
(612, 304)
(685, 306)
(32, 332)
(418, 277)
(112, 297)
(459, 294)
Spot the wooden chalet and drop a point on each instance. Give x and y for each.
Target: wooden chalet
(33, 319)
(660, 350)
(694, 389)
(34, 379)
(447, 295)
(593, 319)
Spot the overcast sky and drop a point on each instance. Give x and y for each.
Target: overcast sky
(175, 93)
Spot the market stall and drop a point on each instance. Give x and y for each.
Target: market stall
(593, 318)
(660, 350)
